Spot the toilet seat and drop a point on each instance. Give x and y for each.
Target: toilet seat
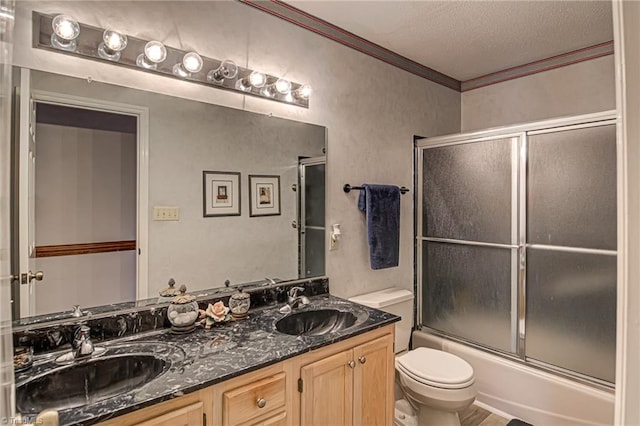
(436, 368)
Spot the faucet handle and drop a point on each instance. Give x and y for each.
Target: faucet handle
(76, 311)
(293, 292)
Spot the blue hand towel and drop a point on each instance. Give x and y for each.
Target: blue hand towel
(381, 204)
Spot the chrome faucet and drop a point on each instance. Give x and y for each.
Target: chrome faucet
(294, 301)
(81, 345)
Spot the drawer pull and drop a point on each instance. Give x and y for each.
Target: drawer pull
(362, 360)
(352, 364)
(261, 402)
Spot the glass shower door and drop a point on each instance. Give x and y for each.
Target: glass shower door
(571, 250)
(469, 241)
(312, 224)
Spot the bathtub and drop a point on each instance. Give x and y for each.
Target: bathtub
(535, 396)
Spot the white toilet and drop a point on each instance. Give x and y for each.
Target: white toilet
(438, 384)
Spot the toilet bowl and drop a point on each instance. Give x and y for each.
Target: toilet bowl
(437, 383)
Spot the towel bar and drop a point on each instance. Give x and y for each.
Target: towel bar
(347, 188)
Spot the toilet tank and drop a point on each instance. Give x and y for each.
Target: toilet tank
(397, 301)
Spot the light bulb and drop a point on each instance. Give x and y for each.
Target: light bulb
(303, 92)
(65, 31)
(112, 44)
(114, 40)
(65, 27)
(283, 86)
(257, 79)
(227, 70)
(191, 63)
(154, 53)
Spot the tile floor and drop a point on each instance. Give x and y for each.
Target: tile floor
(476, 416)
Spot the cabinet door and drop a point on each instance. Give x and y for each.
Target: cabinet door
(187, 416)
(327, 391)
(373, 383)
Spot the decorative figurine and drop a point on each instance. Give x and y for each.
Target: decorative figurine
(215, 314)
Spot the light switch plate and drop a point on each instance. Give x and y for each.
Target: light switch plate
(166, 213)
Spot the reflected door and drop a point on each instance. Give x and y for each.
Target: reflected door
(311, 231)
(24, 267)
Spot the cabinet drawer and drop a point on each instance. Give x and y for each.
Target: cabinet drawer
(279, 419)
(187, 416)
(255, 399)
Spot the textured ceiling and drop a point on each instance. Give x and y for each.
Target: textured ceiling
(465, 39)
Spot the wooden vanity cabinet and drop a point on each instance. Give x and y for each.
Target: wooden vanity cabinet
(347, 383)
(353, 387)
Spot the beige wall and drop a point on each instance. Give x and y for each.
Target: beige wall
(371, 109)
(576, 89)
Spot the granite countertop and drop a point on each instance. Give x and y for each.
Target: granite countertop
(206, 357)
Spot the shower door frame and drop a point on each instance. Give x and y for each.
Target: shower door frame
(518, 135)
(302, 219)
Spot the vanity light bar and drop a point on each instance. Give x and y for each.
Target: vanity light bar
(124, 50)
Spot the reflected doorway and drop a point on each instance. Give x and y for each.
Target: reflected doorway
(81, 225)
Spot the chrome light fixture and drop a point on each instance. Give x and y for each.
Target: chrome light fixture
(226, 71)
(65, 32)
(153, 54)
(113, 43)
(191, 64)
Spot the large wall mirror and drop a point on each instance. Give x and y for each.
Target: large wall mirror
(217, 197)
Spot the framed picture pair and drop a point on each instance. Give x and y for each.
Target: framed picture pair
(222, 194)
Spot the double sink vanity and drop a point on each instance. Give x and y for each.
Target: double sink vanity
(329, 361)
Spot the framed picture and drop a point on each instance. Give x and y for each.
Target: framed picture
(264, 195)
(221, 193)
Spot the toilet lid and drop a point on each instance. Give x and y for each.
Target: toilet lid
(436, 368)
